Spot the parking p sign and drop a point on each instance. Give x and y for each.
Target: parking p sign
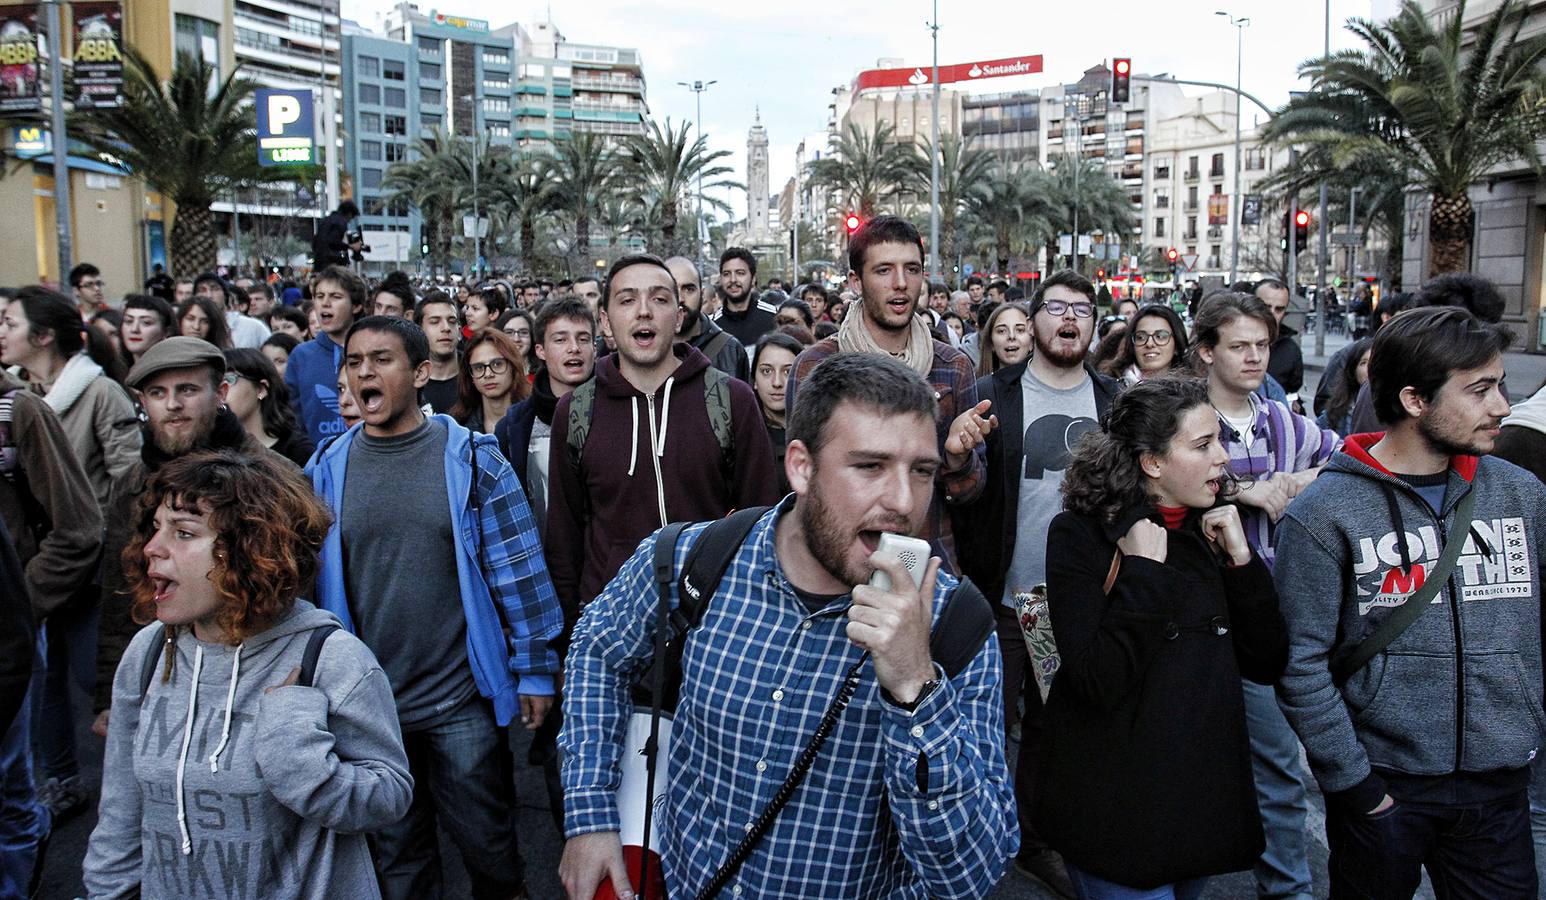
(286, 130)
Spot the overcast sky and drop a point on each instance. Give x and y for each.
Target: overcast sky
(787, 56)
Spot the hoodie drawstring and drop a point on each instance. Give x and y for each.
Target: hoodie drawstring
(230, 699)
(665, 418)
(182, 756)
(1400, 523)
(633, 452)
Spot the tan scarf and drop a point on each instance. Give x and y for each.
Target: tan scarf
(854, 337)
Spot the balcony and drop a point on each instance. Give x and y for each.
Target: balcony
(1216, 173)
(602, 83)
(1214, 262)
(587, 103)
(1190, 206)
(1190, 235)
(1192, 175)
(1162, 173)
(1215, 232)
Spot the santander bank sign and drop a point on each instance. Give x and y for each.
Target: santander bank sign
(917, 76)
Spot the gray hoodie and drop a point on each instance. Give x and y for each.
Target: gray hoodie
(248, 793)
(1459, 693)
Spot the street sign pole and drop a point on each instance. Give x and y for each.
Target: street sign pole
(60, 142)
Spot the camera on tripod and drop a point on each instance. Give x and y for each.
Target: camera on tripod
(357, 246)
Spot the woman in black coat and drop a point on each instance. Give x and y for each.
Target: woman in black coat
(1145, 784)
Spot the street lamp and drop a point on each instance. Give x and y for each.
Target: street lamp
(698, 87)
(477, 232)
(1234, 212)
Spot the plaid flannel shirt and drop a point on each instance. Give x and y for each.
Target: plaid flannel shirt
(897, 804)
(1280, 440)
(955, 388)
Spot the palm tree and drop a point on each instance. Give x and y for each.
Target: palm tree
(188, 141)
(437, 181)
(1425, 97)
(1011, 212)
(1082, 189)
(523, 186)
(584, 172)
(665, 168)
(963, 176)
(865, 170)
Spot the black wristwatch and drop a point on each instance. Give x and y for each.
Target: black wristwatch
(928, 688)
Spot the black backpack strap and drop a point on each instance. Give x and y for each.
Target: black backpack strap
(664, 565)
(963, 625)
(716, 344)
(709, 559)
(148, 665)
(313, 650)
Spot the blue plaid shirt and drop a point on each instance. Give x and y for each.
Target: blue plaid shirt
(898, 804)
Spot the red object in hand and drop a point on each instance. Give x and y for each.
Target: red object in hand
(654, 890)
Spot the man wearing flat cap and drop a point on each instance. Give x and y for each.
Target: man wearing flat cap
(181, 383)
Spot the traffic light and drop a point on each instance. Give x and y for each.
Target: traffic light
(1301, 230)
(1100, 274)
(424, 249)
(1172, 255)
(1121, 76)
(851, 222)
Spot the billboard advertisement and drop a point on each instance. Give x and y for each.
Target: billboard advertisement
(286, 128)
(918, 76)
(98, 55)
(20, 93)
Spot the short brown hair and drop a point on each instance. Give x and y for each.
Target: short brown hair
(268, 524)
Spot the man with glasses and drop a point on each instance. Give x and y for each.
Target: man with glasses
(1044, 405)
(90, 289)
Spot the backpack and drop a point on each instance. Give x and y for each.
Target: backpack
(38, 521)
(716, 396)
(314, 642)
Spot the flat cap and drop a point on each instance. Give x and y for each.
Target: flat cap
(175, 353)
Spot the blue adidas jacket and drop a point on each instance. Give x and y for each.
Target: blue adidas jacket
(312, 377)
(511, 608)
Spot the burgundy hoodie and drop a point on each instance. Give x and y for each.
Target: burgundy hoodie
(599, 512)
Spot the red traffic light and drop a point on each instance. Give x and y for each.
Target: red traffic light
(852, 223)
(1302, 218)
(1172, 254)
(1123, 66)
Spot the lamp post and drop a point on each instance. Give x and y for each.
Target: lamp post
(934, 151)
(698, 87)
(1320, 269)
(59, 143)
(1234, 205)
(477, 232)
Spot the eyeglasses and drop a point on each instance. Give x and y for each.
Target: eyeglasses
(232, 377)
(497, 366)
(1160, 338)
(90, 283)
(518, 333)
(1081, 309)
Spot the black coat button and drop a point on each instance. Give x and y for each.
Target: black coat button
(1172, 631)
(1220, 625)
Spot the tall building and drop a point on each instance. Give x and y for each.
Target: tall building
(757, 228)
(1008, 125)
(517, 85)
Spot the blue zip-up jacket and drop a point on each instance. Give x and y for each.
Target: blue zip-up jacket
(312, 377)
(498, 559)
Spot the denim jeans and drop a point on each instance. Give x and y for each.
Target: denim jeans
(24, 822)
(1088, 887)
(70, 636)
(463, 776)
(1538, 812)
(1480, 851)
(1017, 683)
(1283, 870)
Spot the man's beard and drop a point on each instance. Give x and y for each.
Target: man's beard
(732, 297)
(690, 319)
(827, 542)
(1056, 357)
(1432, 430)
(198, 436)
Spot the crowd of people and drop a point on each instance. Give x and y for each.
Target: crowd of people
(315, 549)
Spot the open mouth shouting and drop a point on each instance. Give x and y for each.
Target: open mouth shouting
(370, 400)
(645, 337)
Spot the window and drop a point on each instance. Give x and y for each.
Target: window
(370, 179)
(395, 98)
(1159, 227)
(533, 70)
(1218, 189)
(368, 67)
(1216, 169)
(429, 71)
(1191, 166)
(201, 38)
(1191, 197)
(1191, 228)
(370, 122)
(396, 152)
(498, 130)
(495, 58)
(370, 150)
(370, 93)
(1162, 171)
(496, 104)
(1162, 199)
(429, 45)
(429, 122)
(496, 85)
(396, 125)
(394, 70)
(429, 96)
(1256, 159)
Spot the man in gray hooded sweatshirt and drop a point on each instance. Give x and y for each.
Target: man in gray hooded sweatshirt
(1423, 751)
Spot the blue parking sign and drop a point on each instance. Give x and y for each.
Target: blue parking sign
(286, 128)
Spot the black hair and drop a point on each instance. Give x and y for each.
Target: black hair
(584, 278)
(801, 307)
(869, 380)
(1014, 295)
(1104, 477)
(348, 208)
(810, 287)
(775, 339)
(1467, 291)
(881, 230)
(1392, 306)
(1128, 351)
(636, 259)
(938, 287)
(351, 282)
(565, 308)
(974, 280)
(494, 298)
(285, 342)
(51, 312)
(1422, 348)
(431, 298)
(219, 333)
(212, 278)
(1223, 307)
(157, 305)
(741, 253)
(415, 342)
(83, 270)
(999, 285)
(396, 284)
(290, 314)
(278, 417)
(1344, 390)
(1067, 278)
(824, 329)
